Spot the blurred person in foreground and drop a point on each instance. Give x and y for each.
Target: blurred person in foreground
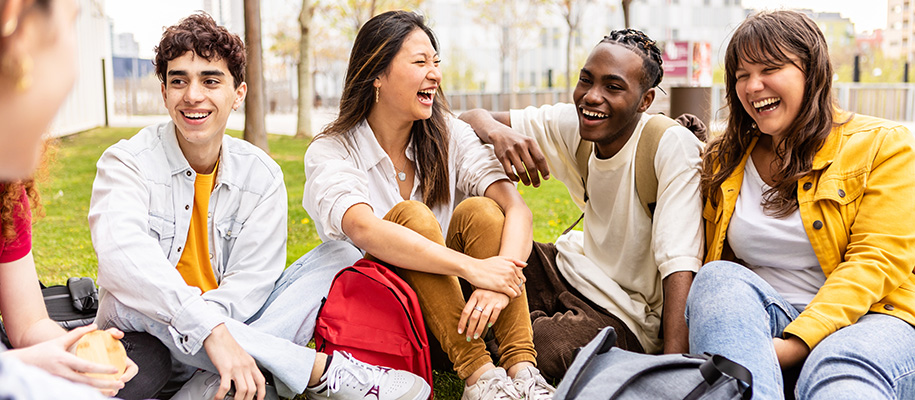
(37, 70)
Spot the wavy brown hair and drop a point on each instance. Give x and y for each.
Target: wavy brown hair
(200, 33)
(379, 40)
(771, 39)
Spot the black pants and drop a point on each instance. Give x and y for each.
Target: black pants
(154, 362)
(562, 318)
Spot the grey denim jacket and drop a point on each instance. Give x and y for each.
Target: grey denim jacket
(139, 217)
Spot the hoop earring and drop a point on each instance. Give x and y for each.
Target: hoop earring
(377, 93)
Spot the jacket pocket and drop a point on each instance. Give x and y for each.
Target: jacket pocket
(227, 231)
(163, 230)
(841, 189)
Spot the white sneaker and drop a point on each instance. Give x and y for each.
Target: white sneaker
(532, 386)
(492, 385)
(348, 378)
(204, 385)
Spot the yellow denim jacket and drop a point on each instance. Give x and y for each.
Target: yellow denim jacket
(858, 208)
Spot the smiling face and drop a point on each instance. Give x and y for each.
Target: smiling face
(408, 88)
(610, 97)
(771, 94)
(199, 95)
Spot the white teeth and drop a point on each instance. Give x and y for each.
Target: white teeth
(428, 91)
(593, 114)
(766, 102)
(196, 115)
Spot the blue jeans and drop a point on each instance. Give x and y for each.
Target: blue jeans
(277, 335)
(733, 312)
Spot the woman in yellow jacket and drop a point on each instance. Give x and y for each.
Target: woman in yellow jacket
(810, 227)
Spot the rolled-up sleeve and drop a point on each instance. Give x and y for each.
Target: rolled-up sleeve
(333, 184)
(119, 225)
(477, 166)
(677, 236)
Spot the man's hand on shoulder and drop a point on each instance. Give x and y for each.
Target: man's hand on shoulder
(234, 364)
(520, 155)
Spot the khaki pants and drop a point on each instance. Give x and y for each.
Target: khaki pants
(475, 230)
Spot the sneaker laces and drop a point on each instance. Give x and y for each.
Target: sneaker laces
(364, 374)
(499, 389)
(536, 388)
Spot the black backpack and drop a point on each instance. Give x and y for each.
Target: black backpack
(601, 371)
(72, 305)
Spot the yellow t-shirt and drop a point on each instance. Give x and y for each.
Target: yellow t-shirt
(194, 265)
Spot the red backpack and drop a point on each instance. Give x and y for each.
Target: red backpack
(374, 315)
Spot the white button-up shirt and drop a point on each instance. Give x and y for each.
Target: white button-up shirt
(139, 216)
(352, 168)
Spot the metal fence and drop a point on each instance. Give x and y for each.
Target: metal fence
(891, 101)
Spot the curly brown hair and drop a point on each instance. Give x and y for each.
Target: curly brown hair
(200, 33)
(11, 206)
(771, 38)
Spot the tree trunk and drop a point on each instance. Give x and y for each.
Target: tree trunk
(306, 85)
(255, 130)
(626, 4)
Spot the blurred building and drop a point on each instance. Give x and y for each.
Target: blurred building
(228, 13)
(900, 31)
(838, 30)
(90, 101)
(870, 42)
(709, 21)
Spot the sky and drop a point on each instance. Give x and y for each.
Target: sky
(145, 19)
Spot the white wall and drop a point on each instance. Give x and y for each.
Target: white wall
(85, 107)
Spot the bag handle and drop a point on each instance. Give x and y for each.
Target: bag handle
(712, 370)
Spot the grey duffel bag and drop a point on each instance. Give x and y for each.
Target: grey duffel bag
(601, 371)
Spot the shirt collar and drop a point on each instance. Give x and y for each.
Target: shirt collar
(369, 148)
(177, 163)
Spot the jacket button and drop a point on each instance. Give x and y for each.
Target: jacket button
(187, 207)
(179, 249)
(807, 185)
(841, 193)
(188, 173)
(888, 307)
(817, 224)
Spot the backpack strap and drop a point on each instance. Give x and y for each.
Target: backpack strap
(646, 178)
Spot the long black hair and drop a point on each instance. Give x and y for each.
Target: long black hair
(376, 45)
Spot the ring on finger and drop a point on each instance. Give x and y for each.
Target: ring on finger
(478, 308)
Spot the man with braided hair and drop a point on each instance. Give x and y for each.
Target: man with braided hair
(627, 269)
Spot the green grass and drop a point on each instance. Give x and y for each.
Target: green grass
(62, 246)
